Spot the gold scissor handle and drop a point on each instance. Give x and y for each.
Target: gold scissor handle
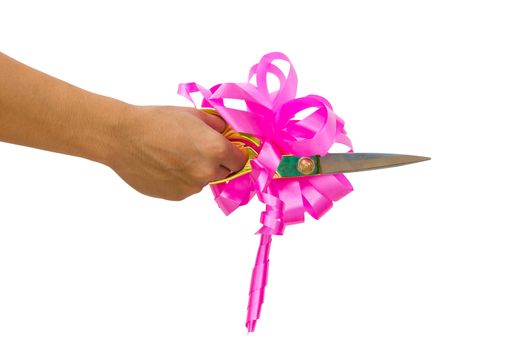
(245, 142)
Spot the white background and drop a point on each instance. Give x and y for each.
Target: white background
(429, 256)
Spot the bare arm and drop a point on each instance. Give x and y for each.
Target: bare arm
(166, 152)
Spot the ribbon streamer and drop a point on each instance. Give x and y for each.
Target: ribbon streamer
(272, 118)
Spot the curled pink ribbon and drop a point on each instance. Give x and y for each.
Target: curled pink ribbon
(271, 117)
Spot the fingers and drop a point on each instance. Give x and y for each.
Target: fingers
(224, 158)
(231, 157)
(221, 173)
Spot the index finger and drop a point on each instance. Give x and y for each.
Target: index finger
(232, 157)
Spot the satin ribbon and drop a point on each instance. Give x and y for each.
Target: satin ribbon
(272, 118)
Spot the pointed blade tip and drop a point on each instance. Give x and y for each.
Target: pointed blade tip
(421, 158)
(408, 159)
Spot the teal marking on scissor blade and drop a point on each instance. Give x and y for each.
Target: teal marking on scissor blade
(288, 167)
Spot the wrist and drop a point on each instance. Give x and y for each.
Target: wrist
(115, 123)
(104, 116)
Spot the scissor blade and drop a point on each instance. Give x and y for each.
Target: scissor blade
(351, 162)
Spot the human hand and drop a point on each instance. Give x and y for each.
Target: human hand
(172, 152)
(165, 152)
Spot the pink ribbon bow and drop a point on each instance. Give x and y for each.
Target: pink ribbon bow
(270, 116)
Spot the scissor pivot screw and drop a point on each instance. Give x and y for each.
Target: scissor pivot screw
(306, 165)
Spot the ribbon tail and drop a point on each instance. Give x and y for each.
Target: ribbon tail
(259, 280)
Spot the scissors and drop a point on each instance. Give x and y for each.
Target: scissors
(295, 166)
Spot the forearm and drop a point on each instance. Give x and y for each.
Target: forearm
(39, 111)
(161, 151)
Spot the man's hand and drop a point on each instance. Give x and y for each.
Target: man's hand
(172, 152)
(165, 152)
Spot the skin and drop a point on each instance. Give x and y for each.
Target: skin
(161, 151)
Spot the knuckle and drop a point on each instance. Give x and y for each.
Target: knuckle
(193, 190)
(219, 148)
(197, 184)
(201, 178)
(197, 189)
